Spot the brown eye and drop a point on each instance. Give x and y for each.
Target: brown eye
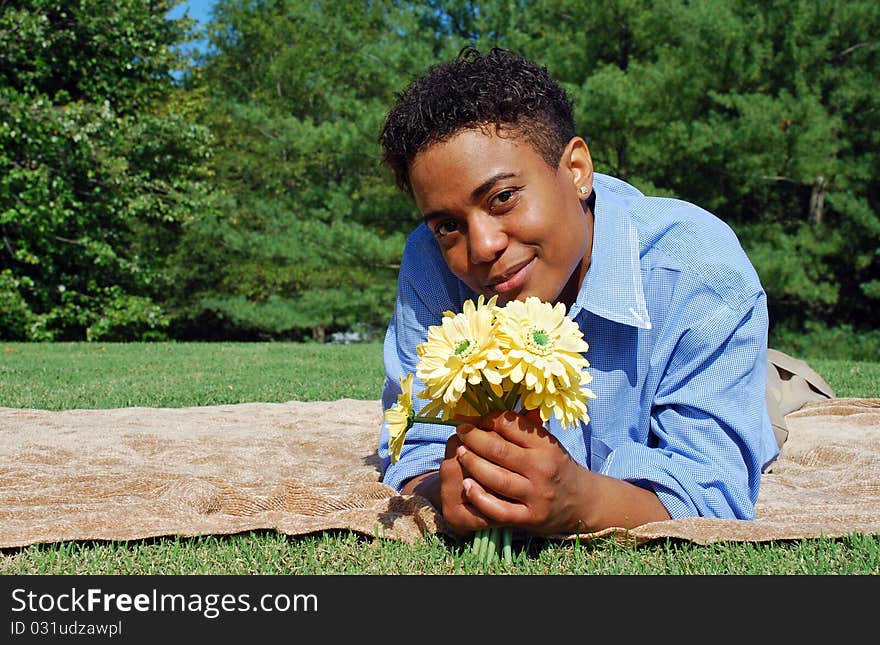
(504, 198)
(445, 227)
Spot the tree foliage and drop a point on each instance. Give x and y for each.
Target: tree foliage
(312, 236)
(99, 165)
(765, 113)
(248, 201)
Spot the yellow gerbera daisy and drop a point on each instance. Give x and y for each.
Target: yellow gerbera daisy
(545, 355)
(545, 346)
(463, 350)
(399, 418)
(568, 405)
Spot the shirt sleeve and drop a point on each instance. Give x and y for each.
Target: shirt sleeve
(426, 288)
(709, 429)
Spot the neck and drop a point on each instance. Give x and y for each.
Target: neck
(570, 291)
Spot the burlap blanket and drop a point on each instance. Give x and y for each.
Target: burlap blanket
(298, 468)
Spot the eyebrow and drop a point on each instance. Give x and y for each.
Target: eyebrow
(476, 193)
(483, 188)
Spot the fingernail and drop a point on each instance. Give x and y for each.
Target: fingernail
(467, 483)
(461, 450)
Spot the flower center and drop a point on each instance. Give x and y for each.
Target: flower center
(539, 341)
(465, 348)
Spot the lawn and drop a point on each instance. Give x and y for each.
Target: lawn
(105, 375)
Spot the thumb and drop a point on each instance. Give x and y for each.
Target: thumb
(534, 416)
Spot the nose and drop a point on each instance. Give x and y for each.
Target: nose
(486, 239)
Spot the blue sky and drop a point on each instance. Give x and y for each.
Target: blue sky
(198, 9)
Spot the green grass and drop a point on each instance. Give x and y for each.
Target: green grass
(81, 375)
(109, 375)
(345, 553)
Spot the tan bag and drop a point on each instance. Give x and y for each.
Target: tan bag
(790, 384)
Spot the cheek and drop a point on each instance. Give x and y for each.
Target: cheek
(456, 258)
(565, 235)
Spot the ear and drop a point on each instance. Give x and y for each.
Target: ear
(577, 163)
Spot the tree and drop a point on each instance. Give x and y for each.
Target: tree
(765, 113)
(311, 238)
(100, 164)
(249, 202)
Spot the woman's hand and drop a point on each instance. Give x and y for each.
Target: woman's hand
(506, 469)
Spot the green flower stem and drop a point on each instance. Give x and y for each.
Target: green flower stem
(436, 420)
(492, 549)
(483, 538)
(507, 544)
(511, 398)
(478, 405)
(489, 545)
(483, 398)
(475, 544)
(493, 400)
(482, 542)
(492, 544)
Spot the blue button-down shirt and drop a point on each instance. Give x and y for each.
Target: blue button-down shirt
(676, 320)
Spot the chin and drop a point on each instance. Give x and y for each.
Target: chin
(503, 300)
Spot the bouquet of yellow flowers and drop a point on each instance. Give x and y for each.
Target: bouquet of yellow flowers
(526, 355)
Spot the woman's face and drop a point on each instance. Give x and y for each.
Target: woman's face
(506, 222)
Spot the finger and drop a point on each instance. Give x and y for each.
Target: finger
(520, 429)
(500, 511)
(491, 446)
(535, 416)
(465, 518)
(503, 481)
(462, 517)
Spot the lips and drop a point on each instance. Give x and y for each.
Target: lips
(512, 279)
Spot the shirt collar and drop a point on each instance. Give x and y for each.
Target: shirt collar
(612, 287)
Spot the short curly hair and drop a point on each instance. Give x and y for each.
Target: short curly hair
(498, 88)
